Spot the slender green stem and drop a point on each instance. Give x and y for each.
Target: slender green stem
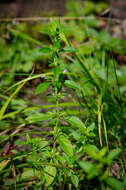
(99, 118)
(106, 136)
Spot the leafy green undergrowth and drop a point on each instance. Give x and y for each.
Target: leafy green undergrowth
(76, 139)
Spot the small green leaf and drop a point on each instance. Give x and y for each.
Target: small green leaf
(95, 171)
(70, 49)
(86, 166)
(92, 151)
(102, 152)
(39, 142)
(42, 87)
(76, 122)
(50, 174)
(38, 117)
(74, 180)
(27, 138)
(66, 145)
(57, 44)
(46, 31)
(91, 127)
(45, 50)
(3, 164)
(112, 154)
(71, 84)
(114, 183)
(75, 135)
(5, 105)
(29, 173)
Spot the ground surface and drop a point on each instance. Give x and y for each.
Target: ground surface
(37, 7)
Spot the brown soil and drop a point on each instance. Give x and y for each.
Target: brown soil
(21, 8)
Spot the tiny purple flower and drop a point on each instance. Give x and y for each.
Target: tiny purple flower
(65, 71)
(42, 76)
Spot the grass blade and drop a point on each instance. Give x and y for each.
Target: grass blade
(4, 107)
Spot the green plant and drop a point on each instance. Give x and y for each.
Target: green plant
(70, 140)
(77, 138)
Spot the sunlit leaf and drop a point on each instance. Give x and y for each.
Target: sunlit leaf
(50, 174)
(66, 145)
(69, 49)
(42, 87)
(86, 166)
(112, 154)
(75, 180)
(71, 84)
(92, 151)
(76, 122)
(29, 173)
(3, 164)
(38, 117)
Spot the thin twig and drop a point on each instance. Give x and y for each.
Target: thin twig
(13, 172)
(18, 129)
(62, 18)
